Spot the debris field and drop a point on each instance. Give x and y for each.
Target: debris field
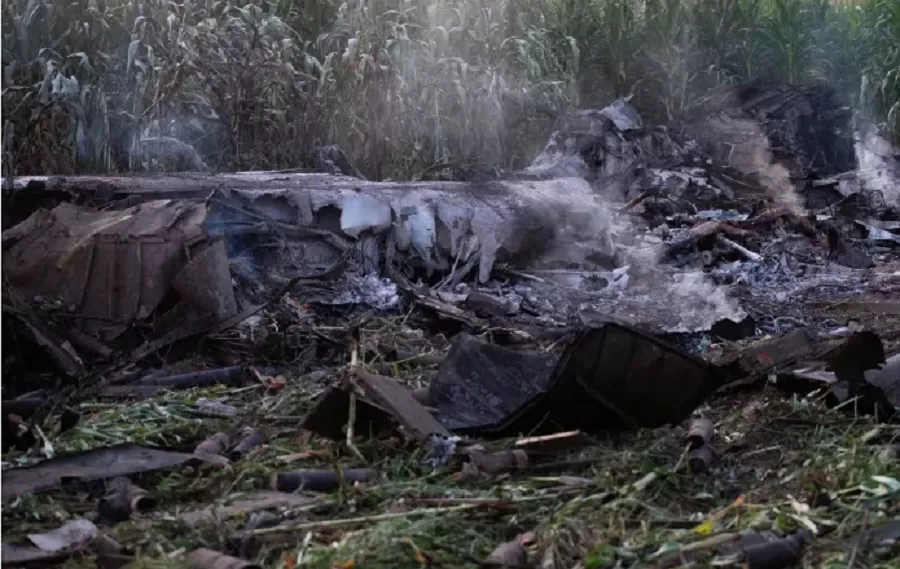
(654, 347)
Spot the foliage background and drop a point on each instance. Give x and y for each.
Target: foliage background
(403, 86)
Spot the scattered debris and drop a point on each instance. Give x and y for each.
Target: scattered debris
(122, 498)
(541, 333)
(119, 460)
(399, 402)
(508, 554)
(252, 503)
(701, 433)
(52, 546)
(500, 462)
(216, 444)
(208, 559)
(320, 480)
(700, 459)
(68, 536)
(778, 554)
(249, 439)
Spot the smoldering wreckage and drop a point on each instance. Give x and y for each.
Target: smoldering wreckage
(627, 277)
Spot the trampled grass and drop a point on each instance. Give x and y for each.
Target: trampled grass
(784, 464)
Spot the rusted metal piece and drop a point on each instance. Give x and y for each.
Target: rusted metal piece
(319, 480)
(500, 462)
(205, 281)
(122, 499)
(399, 402)
(113, 266)
(249, 440)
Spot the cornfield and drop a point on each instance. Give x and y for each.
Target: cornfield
(404, 87)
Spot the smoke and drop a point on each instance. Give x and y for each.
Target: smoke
(743, 145)
(879, 166)
(679, 299)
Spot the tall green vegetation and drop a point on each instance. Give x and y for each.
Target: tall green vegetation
(403, 86)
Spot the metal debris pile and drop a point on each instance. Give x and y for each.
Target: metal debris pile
(628, 280)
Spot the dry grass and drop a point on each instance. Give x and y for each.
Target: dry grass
(401, 85)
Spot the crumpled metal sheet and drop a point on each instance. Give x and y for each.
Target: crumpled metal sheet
(479, 385)
(111, 266)
(611, 377)
(119, 460)
(440, 224)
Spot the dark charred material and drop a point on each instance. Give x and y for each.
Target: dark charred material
(778, 554)
(110, 553)
(595, 388)
(700, 459)
(249, 440)
(479, 385)
(234, 375)
(123, 498)
(24, 406)
(731, 330)
(808, 128)
(390, 395)
(119, 460)
(330, 415)
(758, 359)
(485, 306)
(320, 480)
(209, 559)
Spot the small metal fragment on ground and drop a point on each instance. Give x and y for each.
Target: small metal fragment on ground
(250, 439)
(123, 498)
(214, 445)
(319, 480)
(701, 433)
(209, 559)
(500, 462)
(700, 459)
(110, 553)
(68, 536)
(485, 305)
(508, 554)
(399, 402)
(778, 554)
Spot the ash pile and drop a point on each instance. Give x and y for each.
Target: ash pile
(625, 278)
